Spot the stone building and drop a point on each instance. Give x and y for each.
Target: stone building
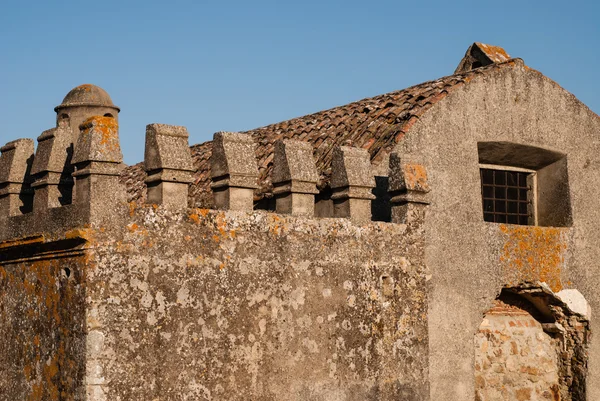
(434, 243)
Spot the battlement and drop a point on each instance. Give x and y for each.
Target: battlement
(72, 179)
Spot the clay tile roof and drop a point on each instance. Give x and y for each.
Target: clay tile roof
(376, 124)
(86, 95)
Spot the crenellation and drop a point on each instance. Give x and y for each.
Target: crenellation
(408, 188)
(168, 163)
(15, 177)
(52, 169)
(352, 182)
(294, 178)
(234, 171)
(98, 164)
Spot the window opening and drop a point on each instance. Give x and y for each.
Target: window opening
(508, 195)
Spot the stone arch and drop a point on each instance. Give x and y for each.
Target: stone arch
(532, 344)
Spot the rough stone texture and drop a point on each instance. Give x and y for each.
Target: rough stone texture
(233, 171)
(97, 160)
(168, 163)
(352, 183)
(15, 177)
(52, 168)
(408, 188)
(514, 358)
(471, 260)
(294, 178)
(42, 320)
(531, 346)
(236, 306)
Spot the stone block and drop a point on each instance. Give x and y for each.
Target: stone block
(352, 183)
(16, 161)
(98, 164)
(234, 171)
(52, 169)
(294, 178)
(168, 162)
(408, 188)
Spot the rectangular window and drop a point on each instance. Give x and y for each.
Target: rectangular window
(508, 195)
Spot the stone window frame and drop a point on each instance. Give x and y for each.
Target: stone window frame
(551, 197)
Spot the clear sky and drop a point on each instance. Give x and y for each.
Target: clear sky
(238, 65)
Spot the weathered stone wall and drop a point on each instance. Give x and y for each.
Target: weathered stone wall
(514, 358)
(471, 260)
(232, 305)
(42, 321)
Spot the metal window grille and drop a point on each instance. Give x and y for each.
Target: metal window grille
(507, 196)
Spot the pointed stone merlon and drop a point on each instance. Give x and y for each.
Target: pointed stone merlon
(352, 183)
(98, 164)
(52, 169)
(15, 168)
(168, 162)
(234, 171)
(294, 178)
(409, 189)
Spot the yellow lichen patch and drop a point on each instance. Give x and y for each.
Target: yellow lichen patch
(533, 254)
(107, 128)
(132, 206)
(276, 225)
(495, 53)
(195, 218)
(415, 177)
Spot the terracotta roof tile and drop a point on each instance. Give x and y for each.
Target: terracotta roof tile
(376, 124)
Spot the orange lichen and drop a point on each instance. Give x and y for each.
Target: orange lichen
(108, 129)
(495, 53)
(132, 206)
(533, 254)
(195, 218)
(415, 177)
(80, 233)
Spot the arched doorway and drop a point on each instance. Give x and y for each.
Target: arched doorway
(531, 346)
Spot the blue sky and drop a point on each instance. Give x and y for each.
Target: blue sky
(234, 65)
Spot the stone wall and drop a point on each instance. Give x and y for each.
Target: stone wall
(42, 321)
(472, 260)
(515, 359)
(210, 305)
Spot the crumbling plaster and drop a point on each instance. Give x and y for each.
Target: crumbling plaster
(471, 260)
